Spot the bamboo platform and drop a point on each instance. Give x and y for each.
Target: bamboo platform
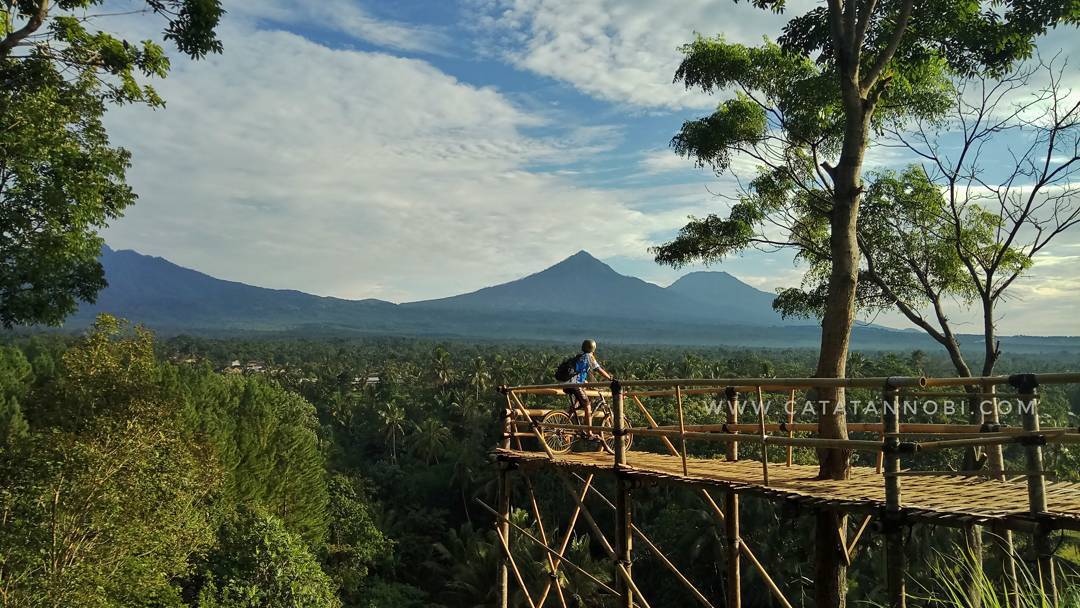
(945, 500)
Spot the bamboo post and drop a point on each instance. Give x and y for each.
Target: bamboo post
(682, 427)
(732, 398)
(1027, 385)
(508, 428)
(503, 529)
(764, 437)
(790, 421)
(731, 513)
(996, 463)
(623, 516)
(895, 560)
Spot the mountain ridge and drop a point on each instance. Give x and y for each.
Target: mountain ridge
(578, 296)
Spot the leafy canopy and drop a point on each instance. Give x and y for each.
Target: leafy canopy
(60, 179)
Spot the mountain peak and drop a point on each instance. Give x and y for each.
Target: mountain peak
(579, 262)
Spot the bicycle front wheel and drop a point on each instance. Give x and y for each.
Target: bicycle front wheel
(558, 441)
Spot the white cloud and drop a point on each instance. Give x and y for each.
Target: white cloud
(624, 51)
(347, 17)
(288, 164)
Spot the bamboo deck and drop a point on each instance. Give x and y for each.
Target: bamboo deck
(947, 500)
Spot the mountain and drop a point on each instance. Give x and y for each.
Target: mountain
(582, 285)
(580, 296)
(158, 293)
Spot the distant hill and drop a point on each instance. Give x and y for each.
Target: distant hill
(158, 293)
(582, 285)
(580, 296)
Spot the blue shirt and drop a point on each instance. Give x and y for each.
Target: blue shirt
(585, 364)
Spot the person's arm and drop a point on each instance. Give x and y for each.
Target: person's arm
(598, 368)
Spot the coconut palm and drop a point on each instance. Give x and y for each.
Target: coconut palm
(479, 376)
(392, 417)
(430, 439)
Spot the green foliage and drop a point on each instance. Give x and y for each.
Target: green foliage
(103, 499)
(53, 152)
(354, 542)
(258, 563)
(61, 181)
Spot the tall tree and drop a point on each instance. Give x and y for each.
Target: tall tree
(806, 110)
(60, 179)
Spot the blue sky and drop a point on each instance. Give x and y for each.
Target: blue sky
(409, 149)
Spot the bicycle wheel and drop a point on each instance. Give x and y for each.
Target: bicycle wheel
(609, 437)
(558, 440)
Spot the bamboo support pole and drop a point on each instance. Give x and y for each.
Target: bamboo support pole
(659, 554)
(996, 463)
(1027, 385)
(896, 561)
(544, 539)
(549, 550)
(732, 399)
(764, 438)
(841, 535)
(682, 428)
(503, 574)
(790, 421)
(503, 540)
(734, 549)
(624, 536)
(587, 483)
(854, 544)
(533, 425)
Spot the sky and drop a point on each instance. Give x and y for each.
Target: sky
(411, 149)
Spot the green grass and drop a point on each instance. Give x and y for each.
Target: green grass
(953, 576)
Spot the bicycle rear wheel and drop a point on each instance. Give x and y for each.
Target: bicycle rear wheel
(559, 441)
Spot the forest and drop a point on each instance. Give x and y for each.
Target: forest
(349, 472)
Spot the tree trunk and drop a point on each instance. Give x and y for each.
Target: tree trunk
(830, 571)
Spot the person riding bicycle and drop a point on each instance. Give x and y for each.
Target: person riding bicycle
(586, 362)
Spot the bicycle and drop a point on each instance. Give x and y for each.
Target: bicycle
(561, 441)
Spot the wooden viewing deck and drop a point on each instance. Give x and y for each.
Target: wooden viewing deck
(1023, 498)
(946, 500)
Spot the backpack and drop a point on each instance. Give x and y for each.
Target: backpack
(567, 369)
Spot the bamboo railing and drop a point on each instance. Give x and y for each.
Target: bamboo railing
(893, 439)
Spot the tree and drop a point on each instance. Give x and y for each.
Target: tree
(392, 418)
(258, 563)
(805, 110)
(479, 376)
(430, 438)
(60, 180)
(104, 501)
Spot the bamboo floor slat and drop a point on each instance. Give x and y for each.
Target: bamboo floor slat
(950, 500)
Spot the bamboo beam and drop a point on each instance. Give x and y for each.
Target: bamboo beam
(777, 384)
(569, 532)
(549, 550)
(624, 536)
(652, 424)
(682, 429)
(850, 444)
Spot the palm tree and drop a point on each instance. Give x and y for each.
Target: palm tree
(479, 376)
(430, 439)
(442, 367)
(392, 417)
